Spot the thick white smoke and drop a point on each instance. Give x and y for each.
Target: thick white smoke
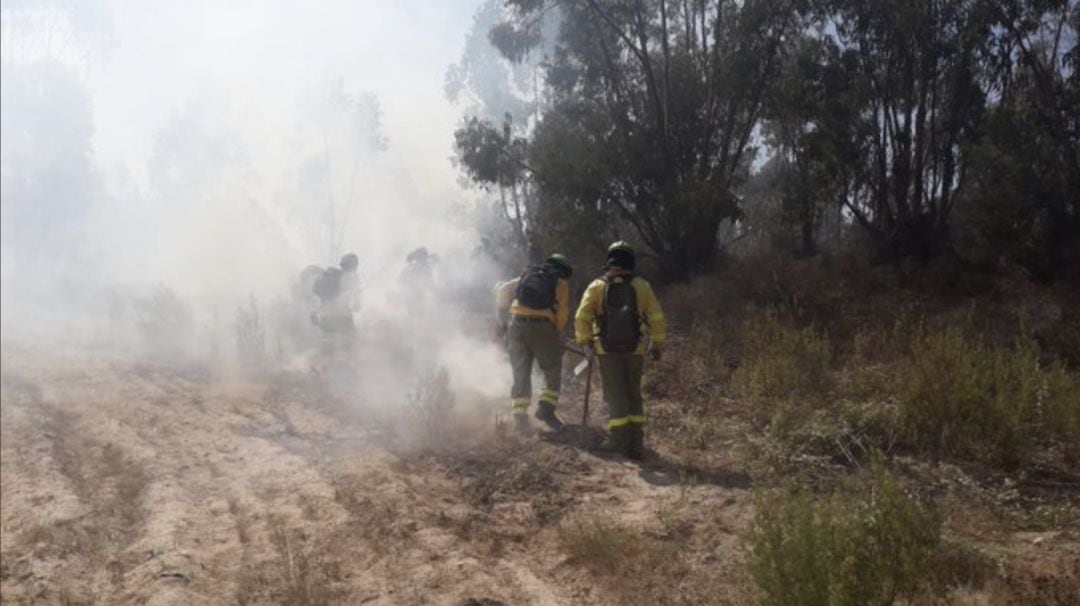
(200, 155)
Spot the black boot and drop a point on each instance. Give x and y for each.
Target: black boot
(546, 413)
(635, 446)
(615, 441)
(521, 424)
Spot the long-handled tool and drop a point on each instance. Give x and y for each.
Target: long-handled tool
(588, 387)
(586, 364)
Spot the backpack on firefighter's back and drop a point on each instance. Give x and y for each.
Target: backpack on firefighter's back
(328, 285)
(536, 288)
(620, 324)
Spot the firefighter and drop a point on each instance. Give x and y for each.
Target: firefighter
(620, 319)
(338, 291)
(532, 312)
(417, 281)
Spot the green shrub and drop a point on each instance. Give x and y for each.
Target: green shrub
(780, 361)
(857, 549)
(961, 397)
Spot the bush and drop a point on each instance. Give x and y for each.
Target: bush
(430, 404)
(868, 548)
(961, 397)
(164, 321)
(250, 336)
(780, 360)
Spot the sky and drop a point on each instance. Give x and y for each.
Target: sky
(257, 56)
(167, 79)
(238, 82)
(251, 69)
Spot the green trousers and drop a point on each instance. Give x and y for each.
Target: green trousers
(621, 377)
(529, 339)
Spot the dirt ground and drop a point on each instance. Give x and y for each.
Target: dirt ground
(131, 482)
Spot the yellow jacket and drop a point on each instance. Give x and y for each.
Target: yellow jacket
(559, 315)
(587, 328)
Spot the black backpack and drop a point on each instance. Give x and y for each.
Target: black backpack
(328, 285)
(536, 289)
(620, 324)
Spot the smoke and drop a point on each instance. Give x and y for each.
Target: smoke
(171, 167)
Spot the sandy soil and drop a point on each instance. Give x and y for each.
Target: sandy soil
(131, 482)
(125, 481)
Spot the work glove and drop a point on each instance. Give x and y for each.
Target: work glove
(656, 353)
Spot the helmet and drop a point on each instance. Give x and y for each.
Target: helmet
(349, 262)
(621, 255)
(621, 245)
(419, 255)
(561, 263)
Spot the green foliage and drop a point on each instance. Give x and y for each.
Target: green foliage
(494, 158)
(866, 548)
(489, 156)
(962, 397)
(780, 360)
(934, 128)
(651, 114)
(1020, 205)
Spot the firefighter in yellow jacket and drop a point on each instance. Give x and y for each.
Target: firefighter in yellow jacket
(620, 318)
(532, 311)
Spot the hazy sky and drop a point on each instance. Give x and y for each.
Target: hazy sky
(248, 69)
(255, 57)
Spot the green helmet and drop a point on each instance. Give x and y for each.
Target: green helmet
(349, 262)
(560, 262)
(621, 255)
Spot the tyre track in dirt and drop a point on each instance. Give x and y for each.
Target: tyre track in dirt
(149, 479)
(128, 482)
(221, 496)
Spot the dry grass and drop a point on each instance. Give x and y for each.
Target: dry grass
(951, 382)
(637, 566)
(241, 519)
(309, 576)
(601, 543)
(251, 348)
(430, 405)
(379, 524)
(108, 483)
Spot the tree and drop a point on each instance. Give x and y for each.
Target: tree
(336, 141)
(495, 159)
(490, 86)
(654, 105)
(48, 182)
(1022, 204)
(808, 115)
(503, 104)
(919, 102)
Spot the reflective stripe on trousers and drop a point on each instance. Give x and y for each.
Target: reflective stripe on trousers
(549, 395)
(627, 420)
